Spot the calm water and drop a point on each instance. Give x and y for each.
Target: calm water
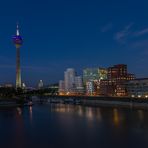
(69, 126)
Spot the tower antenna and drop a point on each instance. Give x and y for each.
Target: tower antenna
(17, 29)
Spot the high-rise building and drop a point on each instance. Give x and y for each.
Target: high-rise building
(17, 39)
(115, 85)
(90, 88)
(93, 74)
(40, 84)
(61, 87)
(103, 73)
(72, 84)
(90, 74)
(69, 79)
(23, 86)
(138, 88)
(78, 82)
(117, 72)
(79, 88)
(92, 78)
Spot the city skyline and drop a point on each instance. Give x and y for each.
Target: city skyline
(111, 81)
(76, 34)
(73, 73)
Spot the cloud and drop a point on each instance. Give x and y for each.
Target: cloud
(122, 35)
(141, 32)
(140, 44)
(106, 27)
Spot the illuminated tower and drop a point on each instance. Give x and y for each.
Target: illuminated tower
(17, 39)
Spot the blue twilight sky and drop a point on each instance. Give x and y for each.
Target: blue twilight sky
(73, 33)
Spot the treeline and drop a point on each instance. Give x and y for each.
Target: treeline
(44, 91)
(7, 92)
(11, 92)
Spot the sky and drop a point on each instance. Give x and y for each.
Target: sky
(58, 34)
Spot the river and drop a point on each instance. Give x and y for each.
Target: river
(73, 126)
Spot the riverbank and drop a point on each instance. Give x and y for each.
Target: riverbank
(11, 102)
(141, 103)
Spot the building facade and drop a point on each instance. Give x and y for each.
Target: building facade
(69, 79)
(90, 88)
(79, 89)
(115, 85)
(61, 87)
(92, 78)
(72, 84)
(138, 88)
(40, 84)
(92, 74)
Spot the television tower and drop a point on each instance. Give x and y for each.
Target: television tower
(17, 40)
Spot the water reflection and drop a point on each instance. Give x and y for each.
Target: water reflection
(116, 118)
(98, 114)
(89, 113)
(141, 115)
(30, 113)
(19, 111)
(75, 126)
(61, 108)
(80, 111)
(18, 137)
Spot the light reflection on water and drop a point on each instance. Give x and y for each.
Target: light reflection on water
(141, 115)
(87, 112)
(73, 126)
(19, 110)
(30, 113)
(116, 117)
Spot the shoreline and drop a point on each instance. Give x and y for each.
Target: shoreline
(9, 103)
(96, 101)
(139, 103)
